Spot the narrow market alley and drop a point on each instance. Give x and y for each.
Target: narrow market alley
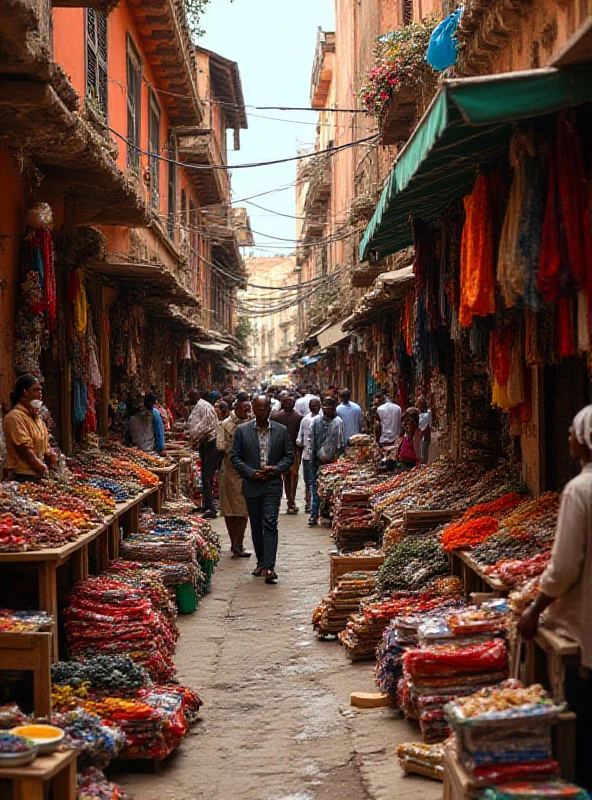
(277, 723)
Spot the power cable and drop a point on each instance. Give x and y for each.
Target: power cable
(228, 167)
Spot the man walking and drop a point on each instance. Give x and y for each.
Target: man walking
(303, 444)
(387, 425)
(260, 453)
(326, 444)
(303, 403)
(203, 431)
(291, 419)
(351, 414)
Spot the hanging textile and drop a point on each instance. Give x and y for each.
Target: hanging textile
(517, 259)
(565, 332)
(506, 360)
(550, 250)
(79, 400)
(476, 261)
(77, 297)
(533, 354)
(573, 198)
(92, 351)
(583, 335)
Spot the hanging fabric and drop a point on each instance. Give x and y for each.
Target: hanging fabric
(519, 241)
(565, 332)
(550, 250)
(476, 261)
(77, 297)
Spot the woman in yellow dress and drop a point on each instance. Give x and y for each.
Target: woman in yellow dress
(232, 503)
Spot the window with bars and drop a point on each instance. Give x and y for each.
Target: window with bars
(96, 59)
(154, 147)
(134, 95)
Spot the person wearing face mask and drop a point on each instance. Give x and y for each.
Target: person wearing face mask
(28, 454)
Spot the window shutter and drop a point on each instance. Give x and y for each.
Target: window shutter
(91, 54)
(97, 85)
(103, 84)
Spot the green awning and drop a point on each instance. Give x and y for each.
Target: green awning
(468, 123)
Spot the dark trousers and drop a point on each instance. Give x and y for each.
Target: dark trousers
(578, 693)
(263, 516)
(208, 452)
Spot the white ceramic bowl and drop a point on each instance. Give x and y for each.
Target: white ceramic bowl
(18, 759)
(45, 744)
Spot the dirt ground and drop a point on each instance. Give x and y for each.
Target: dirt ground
(277, 723)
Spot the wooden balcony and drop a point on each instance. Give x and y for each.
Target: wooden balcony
(198, 146)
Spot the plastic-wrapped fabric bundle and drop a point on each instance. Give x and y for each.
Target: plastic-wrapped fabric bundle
(446, 661)
(422, 759)
(536, 790)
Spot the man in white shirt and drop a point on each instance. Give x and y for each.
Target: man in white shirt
(351, 414)
(387, 426)
(203, 431)
(303, 403)
(303, 442)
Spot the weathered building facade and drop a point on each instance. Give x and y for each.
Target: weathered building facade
(113, 118)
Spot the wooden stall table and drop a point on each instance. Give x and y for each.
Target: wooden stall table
(473, 575)
(57, 770)
(547, 657)
(169, 477)
(460, 785)
(31, 652)
(102, 543)
(153, 497)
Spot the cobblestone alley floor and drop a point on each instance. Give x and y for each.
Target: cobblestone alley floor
(277, 723)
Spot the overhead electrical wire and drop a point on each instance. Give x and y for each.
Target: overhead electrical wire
(228, 167)
(239, 106)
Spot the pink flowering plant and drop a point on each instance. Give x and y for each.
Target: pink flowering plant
(399, 63)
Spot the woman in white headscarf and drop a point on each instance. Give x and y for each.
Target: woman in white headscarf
(567, 584)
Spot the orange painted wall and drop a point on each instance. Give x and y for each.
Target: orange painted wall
(12, 227)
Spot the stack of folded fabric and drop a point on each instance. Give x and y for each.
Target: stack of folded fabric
(431, 675)
(364, 630)
(422, 759)
(330, 616)
(503, 734)
(107, 616)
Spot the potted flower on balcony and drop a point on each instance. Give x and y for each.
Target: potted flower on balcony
(401, 81)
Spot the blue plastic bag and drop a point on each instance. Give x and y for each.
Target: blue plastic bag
(443, 47)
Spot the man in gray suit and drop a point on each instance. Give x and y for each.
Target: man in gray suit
(261, 451)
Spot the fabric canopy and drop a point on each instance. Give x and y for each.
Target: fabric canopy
(331, 336)
(216, 347)
(468, 123)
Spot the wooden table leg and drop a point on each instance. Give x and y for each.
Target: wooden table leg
(78, 569)
(28, 789)
(42, 677)
(64, 783)
(113, 536)
(103, 551)
(48, 598)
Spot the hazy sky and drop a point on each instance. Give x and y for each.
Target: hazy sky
(273, 42)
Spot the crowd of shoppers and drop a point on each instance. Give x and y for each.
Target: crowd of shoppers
(256, 442)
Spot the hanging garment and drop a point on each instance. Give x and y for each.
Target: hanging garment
(565, 332)
(512, 268)
(476, 261)
(550, 250)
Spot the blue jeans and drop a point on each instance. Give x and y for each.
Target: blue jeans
(308, 471)
(263, 516)
(315, 501)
